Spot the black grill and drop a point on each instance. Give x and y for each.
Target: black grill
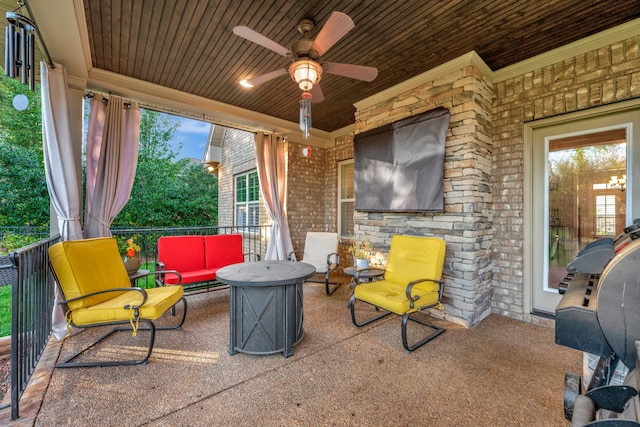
(600, 310)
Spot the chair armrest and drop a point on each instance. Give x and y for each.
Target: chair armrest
(160, 277)
(250, 254)
(410, 286)
(142, 291)
(160, 273)
(293, 253)
(337, 258)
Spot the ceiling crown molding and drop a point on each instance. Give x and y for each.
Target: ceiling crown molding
(172, 100)
(613, 35)
(468, 59)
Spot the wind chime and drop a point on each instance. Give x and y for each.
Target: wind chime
(305, 114)
(19, 41)
(19, 52)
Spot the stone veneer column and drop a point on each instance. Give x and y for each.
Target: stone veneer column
(466, 223)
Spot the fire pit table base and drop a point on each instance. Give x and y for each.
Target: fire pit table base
(266, 305)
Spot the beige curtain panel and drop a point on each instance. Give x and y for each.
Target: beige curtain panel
(272, 174)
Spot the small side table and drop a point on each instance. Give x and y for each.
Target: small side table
(369, 274)
(137, 275)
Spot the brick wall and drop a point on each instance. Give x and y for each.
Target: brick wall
(602, 76)
(308, 193)
(466, 223)
(237, 155)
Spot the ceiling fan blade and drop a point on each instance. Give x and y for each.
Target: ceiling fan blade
(316, 93)
(359, 72)
(255, 37)
(264, 78)
(337, 26)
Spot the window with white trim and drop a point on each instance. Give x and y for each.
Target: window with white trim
(247, 196)
(346, 198)
(606, 215)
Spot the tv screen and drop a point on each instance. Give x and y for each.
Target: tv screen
(399, 167)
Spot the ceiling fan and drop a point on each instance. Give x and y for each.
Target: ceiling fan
(305, 69)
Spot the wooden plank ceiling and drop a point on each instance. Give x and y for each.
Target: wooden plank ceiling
(189, 45)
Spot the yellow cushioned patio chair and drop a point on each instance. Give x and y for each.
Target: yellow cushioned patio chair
(411, 283)
(97, 291)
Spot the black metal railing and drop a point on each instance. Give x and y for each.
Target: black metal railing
(33, 290)
(38, 231)
(31, 306)
(33, 233)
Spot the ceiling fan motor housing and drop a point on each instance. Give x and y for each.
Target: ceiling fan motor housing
(302, 48)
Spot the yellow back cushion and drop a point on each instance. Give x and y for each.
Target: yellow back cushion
(413, 257)
(86, 266)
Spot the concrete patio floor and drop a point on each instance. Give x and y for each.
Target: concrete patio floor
(503, 372)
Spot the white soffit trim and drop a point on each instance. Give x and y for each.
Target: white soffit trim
(63, 28)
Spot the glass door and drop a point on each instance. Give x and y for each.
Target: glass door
(586, 199)
(579, 187)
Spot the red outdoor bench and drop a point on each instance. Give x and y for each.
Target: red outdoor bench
(197, 259)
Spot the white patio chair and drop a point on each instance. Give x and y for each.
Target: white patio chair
(321, 251)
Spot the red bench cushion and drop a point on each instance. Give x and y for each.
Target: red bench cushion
(192, 276)
(182, 253)
(223, 250)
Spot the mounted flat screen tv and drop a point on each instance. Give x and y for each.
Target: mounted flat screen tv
(399, 167)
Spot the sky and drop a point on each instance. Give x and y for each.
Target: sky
(193, 135)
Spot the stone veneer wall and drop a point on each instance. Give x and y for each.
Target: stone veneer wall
(603, 76)
(466, 223)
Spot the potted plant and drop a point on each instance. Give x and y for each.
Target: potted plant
(361, 251)
(131, 256)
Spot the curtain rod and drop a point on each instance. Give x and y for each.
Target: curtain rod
(44, 46)
(180, 113)
(105, 98)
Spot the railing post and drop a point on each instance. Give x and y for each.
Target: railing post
(31, 308)
(15, 311)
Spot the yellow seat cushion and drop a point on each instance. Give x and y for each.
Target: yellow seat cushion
(410, 258)
(392, 296)
(159, 300)
(86, 266)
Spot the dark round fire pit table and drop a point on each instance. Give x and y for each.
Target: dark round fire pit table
(265, 305)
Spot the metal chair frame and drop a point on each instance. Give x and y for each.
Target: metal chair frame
(329, 290)
(406, 317)
(69, 362)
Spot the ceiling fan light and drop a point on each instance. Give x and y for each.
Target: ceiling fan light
(305, 85)
(306, 73)
(245, 83)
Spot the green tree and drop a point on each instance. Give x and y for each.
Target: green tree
(24, 199)
(167, 191)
